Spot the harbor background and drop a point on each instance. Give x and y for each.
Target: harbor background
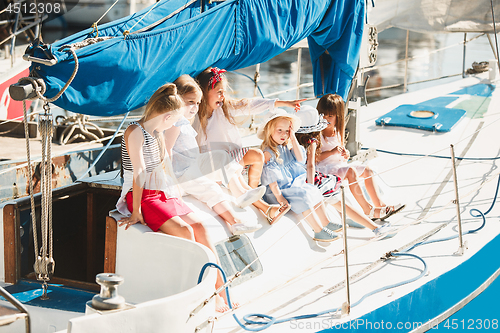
(431, 56)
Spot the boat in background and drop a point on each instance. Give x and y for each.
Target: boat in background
(84, 13)
(421, 279)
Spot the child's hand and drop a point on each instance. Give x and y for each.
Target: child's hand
(290, 130)
(292, 104)
(281, 200)
(133, 219)
(344, 152)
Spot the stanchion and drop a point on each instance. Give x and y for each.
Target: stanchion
(461, 246)
(346, 307)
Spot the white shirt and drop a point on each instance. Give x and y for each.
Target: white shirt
(220, 133)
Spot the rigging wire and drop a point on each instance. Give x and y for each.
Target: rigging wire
(105, 148)
(94, 25)
(495, 30)
(267, 321)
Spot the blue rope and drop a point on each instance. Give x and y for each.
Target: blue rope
(267, 321)
(472, 213)
(224, 277)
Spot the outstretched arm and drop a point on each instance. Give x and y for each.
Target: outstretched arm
(292, 104)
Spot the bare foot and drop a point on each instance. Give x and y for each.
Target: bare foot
(221, 305)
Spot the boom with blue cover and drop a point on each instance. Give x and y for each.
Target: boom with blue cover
(121, 73)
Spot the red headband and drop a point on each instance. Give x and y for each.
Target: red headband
(216, 76)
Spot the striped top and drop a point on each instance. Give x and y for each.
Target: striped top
(150, 150)
(156, 176)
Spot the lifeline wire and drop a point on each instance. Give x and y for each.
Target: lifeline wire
(105, 148)
(272, 320)
(472, 213)
(437, 156)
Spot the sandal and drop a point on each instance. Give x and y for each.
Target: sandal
(389, 210)
(282, 210)
(397, 208)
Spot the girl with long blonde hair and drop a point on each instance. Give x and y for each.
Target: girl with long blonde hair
(149, 195)
(285, 176)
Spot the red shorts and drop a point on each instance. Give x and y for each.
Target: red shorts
(157, 208)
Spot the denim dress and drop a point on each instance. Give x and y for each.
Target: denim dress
(291, 177)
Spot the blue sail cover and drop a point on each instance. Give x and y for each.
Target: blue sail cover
(120, 74)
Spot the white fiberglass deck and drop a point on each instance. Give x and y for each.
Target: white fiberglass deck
(298, 271)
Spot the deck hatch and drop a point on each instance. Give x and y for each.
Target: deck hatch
(235, 253)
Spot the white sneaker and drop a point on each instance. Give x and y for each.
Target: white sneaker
(242, 227)
(250, 196)
(385, 231)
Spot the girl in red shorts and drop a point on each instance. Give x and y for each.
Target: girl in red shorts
(149, 194)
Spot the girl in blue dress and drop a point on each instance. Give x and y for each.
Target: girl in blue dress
(285, 176)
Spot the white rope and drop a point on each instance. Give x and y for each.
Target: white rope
(30, 179)
(99, 20)
(44, 264)
(14, 119)
(160, 21)
(39, 85)
(115, 118)
(105, 148)
(127, 32)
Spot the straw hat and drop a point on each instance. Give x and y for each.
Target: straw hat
(275, 114)
(311, 121)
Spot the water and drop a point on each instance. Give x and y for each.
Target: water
(280, 73)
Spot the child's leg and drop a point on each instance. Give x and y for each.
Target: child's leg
(209, 192)
(355, 215)
(313, 220)
(226, 212)
(238, 186)
(372, 188)
(255, 159)
(321, 213)
(356, 190)
(201, 236)
(178, 227)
